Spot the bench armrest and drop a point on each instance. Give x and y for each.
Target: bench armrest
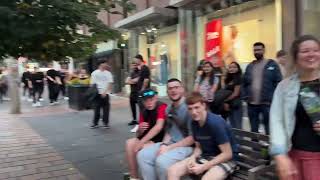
(255, 172)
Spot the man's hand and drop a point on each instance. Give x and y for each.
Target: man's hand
(163, 149)
(138, 147)
(285, 167)
(316, 126)
(103, 95)
(191, 163)
(198, 169)
(143, 126)
(226, 107)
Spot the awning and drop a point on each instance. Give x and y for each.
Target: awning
(151, 15)
(191, 4)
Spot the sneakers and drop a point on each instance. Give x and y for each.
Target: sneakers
(38, 104)
(106, 127)
(66, 98)
(133, 122)
(29, 100)
(135, 129)
(94, 126)
(52, 103)
(41, 99)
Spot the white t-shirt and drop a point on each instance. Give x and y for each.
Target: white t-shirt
(102, 79)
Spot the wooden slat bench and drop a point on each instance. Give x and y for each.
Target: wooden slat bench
(254, 162)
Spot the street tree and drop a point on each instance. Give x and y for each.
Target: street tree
(48, 30)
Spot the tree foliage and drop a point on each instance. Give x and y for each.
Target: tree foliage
(49, 29)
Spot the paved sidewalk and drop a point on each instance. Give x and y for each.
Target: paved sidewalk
(25, 155)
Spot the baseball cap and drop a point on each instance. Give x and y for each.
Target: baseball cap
(148, 93)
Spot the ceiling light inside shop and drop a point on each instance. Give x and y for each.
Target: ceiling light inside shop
(123, 45)
(154, 29)
(142, 33)
(149, 30)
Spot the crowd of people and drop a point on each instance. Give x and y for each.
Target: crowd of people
(192, 135)
(34, 81)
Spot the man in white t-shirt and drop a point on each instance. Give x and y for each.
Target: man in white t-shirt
(103, 79)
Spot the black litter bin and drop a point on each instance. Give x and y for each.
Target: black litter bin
(77, 98)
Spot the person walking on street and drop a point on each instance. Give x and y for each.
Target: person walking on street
(103, 80)
(63, 73)
(132, 80)
(54, 83)
(36, 84)
(151, 129)
(26, 93)
(259, 82)
(295, 115)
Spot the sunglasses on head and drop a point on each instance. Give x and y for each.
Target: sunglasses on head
(148, 93)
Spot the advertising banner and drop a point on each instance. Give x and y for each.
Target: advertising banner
(213, 42)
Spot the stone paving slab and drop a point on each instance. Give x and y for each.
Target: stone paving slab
(25, 155)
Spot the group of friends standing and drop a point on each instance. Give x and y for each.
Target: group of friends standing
(191, 137)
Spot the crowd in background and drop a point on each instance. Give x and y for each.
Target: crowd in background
(288, 110)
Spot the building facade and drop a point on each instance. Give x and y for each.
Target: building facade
(174, 35)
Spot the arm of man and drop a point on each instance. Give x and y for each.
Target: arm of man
(187, 141)
(152, 133)
(146, 80)
(145, 84)
(109, 85)
(224, 156)
(196, 152)
(166, 138)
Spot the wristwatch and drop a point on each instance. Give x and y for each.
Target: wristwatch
(166, 144)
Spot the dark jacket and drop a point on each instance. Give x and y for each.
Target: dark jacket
(271, 77)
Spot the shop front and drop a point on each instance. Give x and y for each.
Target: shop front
(162, 55)
(155, 33)
(227, 30)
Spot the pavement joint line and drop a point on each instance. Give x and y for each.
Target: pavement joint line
(25, 153)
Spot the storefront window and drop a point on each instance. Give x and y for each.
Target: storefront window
(161, 55)
(239, 26)
(311, 14)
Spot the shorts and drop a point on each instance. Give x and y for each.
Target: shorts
(229, 167)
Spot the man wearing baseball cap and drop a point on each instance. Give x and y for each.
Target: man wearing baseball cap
(150, 131)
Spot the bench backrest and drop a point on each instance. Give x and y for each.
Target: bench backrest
(253, 148)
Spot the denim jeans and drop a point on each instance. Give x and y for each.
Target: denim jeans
(254, 112)
(235, 117)
(153, 167)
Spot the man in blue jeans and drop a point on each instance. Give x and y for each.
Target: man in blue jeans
(259, 83)
(154, 160)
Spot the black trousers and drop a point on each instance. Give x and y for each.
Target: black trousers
(53, 92)
(26, 90)
(104, 104)
(133, 104)
(37, 90)
(63, 90)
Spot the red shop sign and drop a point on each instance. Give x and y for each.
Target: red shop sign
(213, 40)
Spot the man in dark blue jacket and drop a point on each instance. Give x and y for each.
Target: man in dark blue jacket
(259, 82)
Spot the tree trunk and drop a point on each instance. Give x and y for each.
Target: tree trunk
(13, 82)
